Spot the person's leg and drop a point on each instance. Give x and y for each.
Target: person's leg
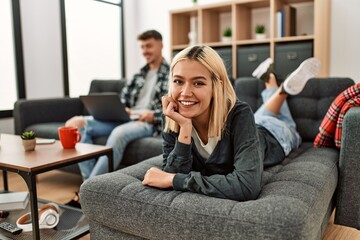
(275, 104)
(274, 115)
(274, 100)
(270, 149)
(119, 138)
(90, 128)
(272, 97)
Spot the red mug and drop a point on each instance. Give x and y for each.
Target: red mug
(69, 136)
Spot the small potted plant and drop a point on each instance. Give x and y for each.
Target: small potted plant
(227, 33)
(260, 32)
(28, 140)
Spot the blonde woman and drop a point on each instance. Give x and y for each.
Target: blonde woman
(212, 143)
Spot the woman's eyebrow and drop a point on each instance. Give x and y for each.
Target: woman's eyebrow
(177, 76)
(193, 78)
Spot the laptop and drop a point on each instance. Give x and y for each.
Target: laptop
(105, 107)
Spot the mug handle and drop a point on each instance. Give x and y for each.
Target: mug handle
(78, 136)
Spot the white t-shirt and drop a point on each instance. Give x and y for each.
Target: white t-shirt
(205, 150)
(147, 91)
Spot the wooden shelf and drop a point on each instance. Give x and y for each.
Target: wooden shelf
(208, 22)
(252, 41)
(294, 38)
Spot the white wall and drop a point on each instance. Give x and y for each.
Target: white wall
(345, 39)
(40, 22)
(7, 125)
(42, 41)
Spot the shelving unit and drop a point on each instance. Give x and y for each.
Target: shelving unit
(209, 21)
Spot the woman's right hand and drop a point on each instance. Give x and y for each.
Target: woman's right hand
(171, 110)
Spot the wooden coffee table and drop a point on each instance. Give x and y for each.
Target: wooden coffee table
(45, 158)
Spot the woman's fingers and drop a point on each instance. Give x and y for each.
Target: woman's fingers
(171, 108)
(165, 100)
(157, 178)
(169, 105)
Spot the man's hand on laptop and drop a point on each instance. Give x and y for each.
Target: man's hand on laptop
(133, 116)
(146, 116)
(128, 110)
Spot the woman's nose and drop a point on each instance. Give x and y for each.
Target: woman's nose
(187, 90)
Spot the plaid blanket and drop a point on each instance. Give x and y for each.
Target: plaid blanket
(330, 129)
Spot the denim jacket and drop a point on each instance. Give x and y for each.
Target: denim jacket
(131, 91)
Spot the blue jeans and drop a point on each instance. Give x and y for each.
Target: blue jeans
(282, 126)
(119, 137)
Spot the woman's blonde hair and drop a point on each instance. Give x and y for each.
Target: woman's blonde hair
(224, 97)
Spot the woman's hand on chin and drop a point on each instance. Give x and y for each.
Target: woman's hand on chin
(155, 177)
(171, 110)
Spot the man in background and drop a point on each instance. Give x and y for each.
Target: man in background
(142, 97)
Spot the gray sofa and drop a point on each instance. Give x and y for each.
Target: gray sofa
(44, 116)
(296, 201)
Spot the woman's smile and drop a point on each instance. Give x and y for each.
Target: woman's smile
(187, 103)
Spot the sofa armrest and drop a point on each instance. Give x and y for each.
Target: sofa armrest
(29, 112)
(348, 197)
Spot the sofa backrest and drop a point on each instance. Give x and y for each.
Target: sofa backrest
(308, 108)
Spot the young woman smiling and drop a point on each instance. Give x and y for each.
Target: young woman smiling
(213, 143)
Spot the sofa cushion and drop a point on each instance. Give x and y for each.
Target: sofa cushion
(141, 149)
(248, 89)
(46, 130)
(292, 203)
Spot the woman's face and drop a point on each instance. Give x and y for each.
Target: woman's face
(192, 89)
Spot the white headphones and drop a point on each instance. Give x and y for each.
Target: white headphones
(49, 215)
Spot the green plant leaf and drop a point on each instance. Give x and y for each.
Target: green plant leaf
(260, 28)
(28, 135)
(227, 32)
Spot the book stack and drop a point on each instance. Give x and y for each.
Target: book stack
(286, 22)
(14, 200)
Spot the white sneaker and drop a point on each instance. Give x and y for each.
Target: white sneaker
(262, 68)
(297, 80)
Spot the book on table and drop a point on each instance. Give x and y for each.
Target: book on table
(14, 200)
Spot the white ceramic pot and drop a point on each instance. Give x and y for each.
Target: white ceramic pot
(29, 145)
(226, 39)
(260, 36)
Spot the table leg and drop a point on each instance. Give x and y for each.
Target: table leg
(110, 157)
(5, 180)
(30, 180)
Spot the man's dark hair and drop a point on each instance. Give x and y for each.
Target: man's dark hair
(150, 34)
